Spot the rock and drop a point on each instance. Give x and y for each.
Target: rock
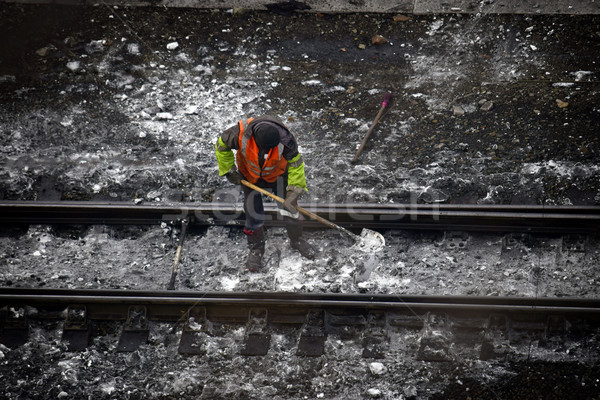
(43, 52)
(561, 104)
(133, 48)
(164, 115)
(374, 393)
(191, 109)
(95, 46)
(584, 150)
(362, 46)
(486, 106)
(378, 40)
(153, 110)
(70, 41)
(172, 46)
(410, 391)
(401, 18)
(458, 111)
(377, 368)
(431, 195)
(153, 194)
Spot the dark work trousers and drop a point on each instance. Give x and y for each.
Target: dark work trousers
(255, 212)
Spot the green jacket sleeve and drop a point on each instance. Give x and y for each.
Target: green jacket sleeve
(296, 176)
(225, 157)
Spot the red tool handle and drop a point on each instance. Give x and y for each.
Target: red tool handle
(387, 98)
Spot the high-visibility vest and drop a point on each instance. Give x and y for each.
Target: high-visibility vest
(247, 157)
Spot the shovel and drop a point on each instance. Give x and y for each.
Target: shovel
(368, 241)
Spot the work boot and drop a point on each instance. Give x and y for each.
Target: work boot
(256, 244)
(304, 248)
(297, 242)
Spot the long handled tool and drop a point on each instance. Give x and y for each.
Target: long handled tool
(368, 240)
(184, 225)
(386, 101)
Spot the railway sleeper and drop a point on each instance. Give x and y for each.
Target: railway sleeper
(375, 338)
(135, 331)
(257, 337)
(436, 338)
(77, 330)
(439, 333)
(313, 335)
(345, 325)
(456, 240)
(195, 333)
(15, 329)
(496, 337)
(515, 244)
(574, 243)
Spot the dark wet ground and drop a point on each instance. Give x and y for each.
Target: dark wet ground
(538, 72)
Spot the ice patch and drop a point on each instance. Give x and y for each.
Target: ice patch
(336, 89)
(560, 168)
(133, 48)
(108, 388)
(228, 284)
(579, 75)
(351, 121)
(7, 78)
(73, 65)
(288, 276)
(435, 27)
(312, 82)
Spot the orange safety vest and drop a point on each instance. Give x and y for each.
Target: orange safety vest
(247, 157)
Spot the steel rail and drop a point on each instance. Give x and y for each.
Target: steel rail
(483, 322)
(515, 218)
(170, 305)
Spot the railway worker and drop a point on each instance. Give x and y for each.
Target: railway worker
(266, 155)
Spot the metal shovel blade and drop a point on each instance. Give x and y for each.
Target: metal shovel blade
(369, 241)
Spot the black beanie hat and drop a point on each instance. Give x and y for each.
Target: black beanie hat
(266, 135)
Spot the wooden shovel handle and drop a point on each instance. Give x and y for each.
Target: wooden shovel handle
(300, 209)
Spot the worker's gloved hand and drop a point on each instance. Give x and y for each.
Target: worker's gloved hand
(234, 177)
(291, 198)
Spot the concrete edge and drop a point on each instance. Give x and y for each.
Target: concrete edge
(416, 7)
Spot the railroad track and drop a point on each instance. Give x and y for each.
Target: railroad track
(439, 323)
(511, 218)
